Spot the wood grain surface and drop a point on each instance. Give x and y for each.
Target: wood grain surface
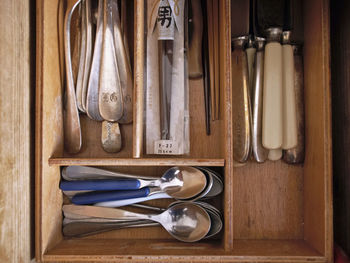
(16, 91)
(273, 212)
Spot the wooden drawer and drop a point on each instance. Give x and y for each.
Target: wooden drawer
(273, 212)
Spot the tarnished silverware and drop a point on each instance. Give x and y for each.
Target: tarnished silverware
(111, 138)
(92, 106)
(297, 154)
(259, 152)
(72, 130)
(241, 102)
(81, 67)
(124, 66)
(110, 93)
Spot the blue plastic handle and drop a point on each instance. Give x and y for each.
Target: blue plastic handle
(96, 197)
(100, 185)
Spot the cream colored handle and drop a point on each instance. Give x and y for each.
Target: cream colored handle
(290, 133)
(272, 98)
(275, 154)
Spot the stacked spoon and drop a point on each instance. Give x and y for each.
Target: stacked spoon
(87, 185)
(185, 221)
(107, 189)
(103, 88)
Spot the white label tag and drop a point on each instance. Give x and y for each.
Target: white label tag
(165, 21)
(166, 147)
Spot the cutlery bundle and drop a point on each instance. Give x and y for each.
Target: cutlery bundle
(103, 188)
(87, 185)
(267, 116)
(103, 85)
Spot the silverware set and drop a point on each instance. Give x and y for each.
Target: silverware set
(185, 221)
(268, 116)
(103, 85)
(108, 189)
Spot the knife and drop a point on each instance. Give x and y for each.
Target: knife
(270, 21)
(297, 154)
(289, 105)
(240, 91)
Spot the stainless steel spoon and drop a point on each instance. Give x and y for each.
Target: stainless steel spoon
(186, 222)
(185, 183)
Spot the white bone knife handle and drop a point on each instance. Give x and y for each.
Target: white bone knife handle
(290, 133)
(275, 154)
(272, 127)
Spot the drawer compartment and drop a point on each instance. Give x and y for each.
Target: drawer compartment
(273, 212)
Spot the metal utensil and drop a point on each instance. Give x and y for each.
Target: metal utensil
(240, 86)
(214, 187)
(72, 130)
(124, 66)
(71, 173)
(270, 22)
(111, 138)
(297, 154)
(186, 222)
(92, 106)
(184, 184)
(259, 152)
(178, 181)
(110, 93)
(84, 227)
(290, 137)
(81, 67)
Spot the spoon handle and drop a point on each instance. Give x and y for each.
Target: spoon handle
(96, 197)
(100, 185)
(72, 131)
(110, 94)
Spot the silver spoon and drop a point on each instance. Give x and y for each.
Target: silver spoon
(92, 108)
(186, 222)
(110, 93)
(178, 182)
(89, 226)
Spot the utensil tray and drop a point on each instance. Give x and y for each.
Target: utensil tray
(273, 212)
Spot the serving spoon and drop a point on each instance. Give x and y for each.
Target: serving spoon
(186, 222)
